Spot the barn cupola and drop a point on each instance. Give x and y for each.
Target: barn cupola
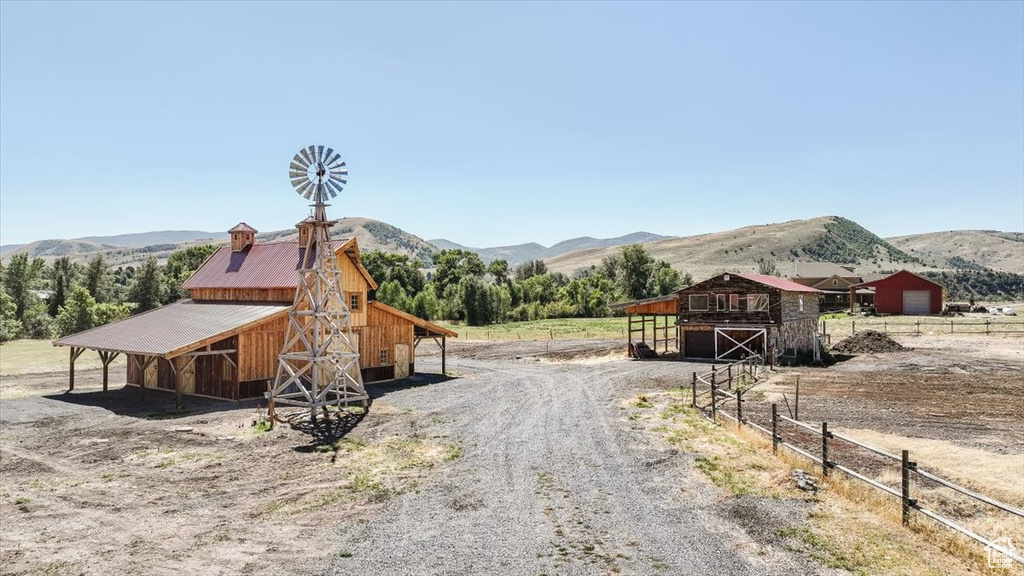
(242, 236)
(305, 228)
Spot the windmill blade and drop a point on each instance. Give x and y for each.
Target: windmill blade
(305, 157)
(334, 188)
(337, 163)
(297, 167)
(297, 174)
(320, 154)
(330, 156)
(298, 163)
(311, 151)
(305, 189)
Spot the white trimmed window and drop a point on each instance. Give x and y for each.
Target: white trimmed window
(757, 302)
(734, 302)
(723, 302)
(383, 357)
(698, 302)
(353, 301)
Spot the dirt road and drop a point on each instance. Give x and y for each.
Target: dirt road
(553, 479)
(523, 463)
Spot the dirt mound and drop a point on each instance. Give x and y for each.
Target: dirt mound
(867, 342)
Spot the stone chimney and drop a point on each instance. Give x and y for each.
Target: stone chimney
(242, 236)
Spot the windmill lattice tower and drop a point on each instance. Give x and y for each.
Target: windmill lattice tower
(318, 365)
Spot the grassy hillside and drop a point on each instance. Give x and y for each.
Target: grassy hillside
(823, 239)
(967, 249)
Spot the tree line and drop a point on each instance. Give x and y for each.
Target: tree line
(463, 288)
(40, 300)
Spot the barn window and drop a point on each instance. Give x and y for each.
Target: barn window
(722, 303)
(734, 302)
(757, 302)
(801, 299)
(835, 282)
(698, 302)
(353, 301)
(383, 357)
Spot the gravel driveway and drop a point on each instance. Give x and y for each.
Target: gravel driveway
(553, 479)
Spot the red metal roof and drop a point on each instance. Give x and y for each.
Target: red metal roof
(273, 265)
(776, 282)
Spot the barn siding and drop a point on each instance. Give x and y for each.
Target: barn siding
(889, 292)
(735, 285)
(244, 294)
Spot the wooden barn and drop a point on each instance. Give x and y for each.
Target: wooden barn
(735, 315)
(903, 293)
(224, 340)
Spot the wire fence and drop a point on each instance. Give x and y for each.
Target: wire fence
(904, 326)
(825, 456)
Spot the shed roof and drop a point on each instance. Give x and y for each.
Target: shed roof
(776, 282)
(425, 328)
(270, 265)
(174, 329)
(638, 306)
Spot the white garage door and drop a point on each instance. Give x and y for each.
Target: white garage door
(918, 302)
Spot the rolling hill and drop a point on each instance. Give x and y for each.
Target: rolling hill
(372, 235)
(822, 239)
(967, 249)
(520, 253)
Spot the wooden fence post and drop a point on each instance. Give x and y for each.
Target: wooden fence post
(775, 428)
(824, 449)
(918, 327)
(714, 396)
(739, 407)
(950, 326)
(694, 389)
(854, 327)
(987, 326)
(905, 485)
(796, 403)
(729, 384)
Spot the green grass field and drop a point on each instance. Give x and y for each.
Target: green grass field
(34, 356)
(553, 329)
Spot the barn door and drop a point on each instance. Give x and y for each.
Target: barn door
(401, 360)
(737, 343)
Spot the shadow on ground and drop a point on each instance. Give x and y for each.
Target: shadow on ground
(155, 404)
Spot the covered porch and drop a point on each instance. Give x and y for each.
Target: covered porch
(651, 326)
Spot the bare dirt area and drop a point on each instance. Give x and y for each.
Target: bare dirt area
(524, 462)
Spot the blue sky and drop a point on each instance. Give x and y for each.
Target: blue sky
(489, 124)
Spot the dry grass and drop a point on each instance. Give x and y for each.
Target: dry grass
(850, 526)
(37, 356)
(843, 327)
(551, 329)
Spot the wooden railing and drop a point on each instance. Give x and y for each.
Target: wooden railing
(828, 463)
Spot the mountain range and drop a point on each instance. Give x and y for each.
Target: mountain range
(821, 239)
(520, 253)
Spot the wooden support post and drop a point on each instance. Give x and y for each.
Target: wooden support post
(629, 337)
(918, 327)
(950, 326)
(853, 326)
(177, 384)
(71, 370)
(825, 464)
(270, 405)
(775, 428)
(444, 355)
(714, 396)
(905, 485)
(729, 368)
(694, 389)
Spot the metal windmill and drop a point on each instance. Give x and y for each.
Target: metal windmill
(318, 365)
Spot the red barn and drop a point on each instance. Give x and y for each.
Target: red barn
(904, 293)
